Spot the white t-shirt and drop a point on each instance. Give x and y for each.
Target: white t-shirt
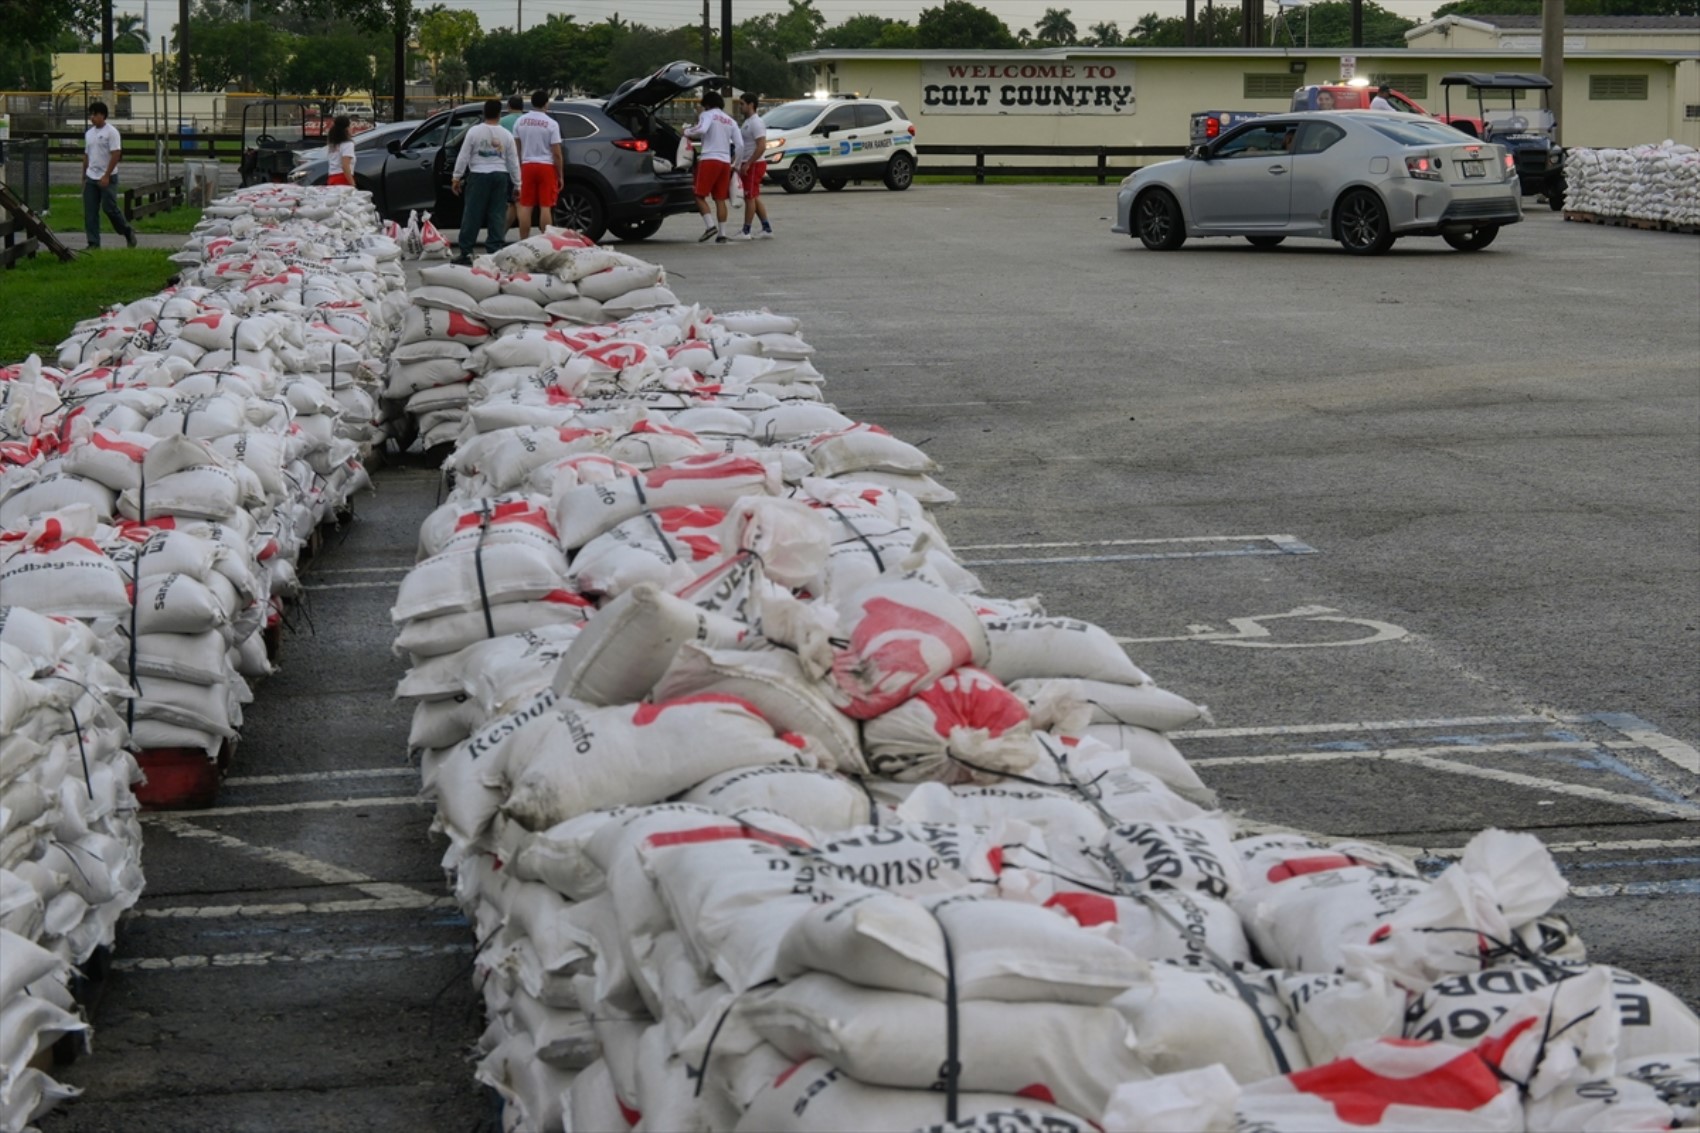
(335, 153)
(718, 134)
(754, 132)
(535, 132)
(1379, 103)
(100, 143)
(487, 148)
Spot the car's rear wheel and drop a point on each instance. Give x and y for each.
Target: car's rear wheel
(578, 207)
(1555, 191)
(632, 231)
(1157, 219)
(833, 184)
(1472, 241)
(899, 172)
(801, 177)
(1265, 241)
(1360, 224)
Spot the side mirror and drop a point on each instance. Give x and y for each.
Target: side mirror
(394, 146)
(1198, 153)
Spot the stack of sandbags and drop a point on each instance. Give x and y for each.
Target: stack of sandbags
(780, 823)
(70, 845)
(1652, 182)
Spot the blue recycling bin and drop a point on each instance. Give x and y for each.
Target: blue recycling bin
(186, 132)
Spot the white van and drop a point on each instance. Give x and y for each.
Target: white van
(355, 108)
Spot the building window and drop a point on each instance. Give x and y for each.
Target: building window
(1617, 88)
(1279, 84)
(1692, 112)
(1411, 85)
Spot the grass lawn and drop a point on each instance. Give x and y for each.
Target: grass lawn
(42, 299)
(67, 216)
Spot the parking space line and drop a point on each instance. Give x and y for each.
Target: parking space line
(1363, 726)
(325, 872)
(1149, 556)
(1651, 738)
(316, 572)
(1637, 802)
(410, 900)
(1619, 846)
(1682, 887)
(285, 808)
(357, 954)
(318, 776)
(1389, 753)
(1282, 540)
(353, 586)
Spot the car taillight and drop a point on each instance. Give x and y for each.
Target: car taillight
(1212, 127)
(1510, 164)
(636, 145)
(911, 129)
(1421, 168)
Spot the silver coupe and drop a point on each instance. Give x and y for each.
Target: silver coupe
(1364, 178)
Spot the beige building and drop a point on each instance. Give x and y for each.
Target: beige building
(1613, 95)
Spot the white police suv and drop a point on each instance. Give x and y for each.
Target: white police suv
(833, 141)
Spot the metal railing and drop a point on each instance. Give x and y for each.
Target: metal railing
(25, 170)
(1100, 167)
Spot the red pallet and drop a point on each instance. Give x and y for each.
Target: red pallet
(180, 778)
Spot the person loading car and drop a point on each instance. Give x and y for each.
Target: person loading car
(721, 146)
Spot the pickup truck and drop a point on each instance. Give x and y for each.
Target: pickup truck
(1207, 125)
(1354, 96)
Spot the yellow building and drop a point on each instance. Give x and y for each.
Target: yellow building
(1613, 96)
(131, 72)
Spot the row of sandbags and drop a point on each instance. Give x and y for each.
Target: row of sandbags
(159, 479)
(1652, 182)
(164, 475)
(768, 818)
(70, 846)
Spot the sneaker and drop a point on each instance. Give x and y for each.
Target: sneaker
(741, 236)
(463, 260)
(721, 240)
(130, 238)
(707, 235)
(764, 234)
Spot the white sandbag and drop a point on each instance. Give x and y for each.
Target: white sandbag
(478, 579)
(1306, 922)
(866, 448)
(1140, 705)
(479, 283)
(587, 758)
(628, 645)
(663, 547)
(1000, 950)
(1078, 1054)
(1155, 754)
(450, 633)
(54, 492)
(587, 510)
(58, 569)
(198, 658)
(1190, 1018)
(1186, 928)
(773, 680)
(1196, 856)
(176, 603)
(824, 801)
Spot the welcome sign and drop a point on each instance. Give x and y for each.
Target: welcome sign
(1038, 86)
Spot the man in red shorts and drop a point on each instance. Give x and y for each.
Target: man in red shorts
(541, 168)
(753, 169)
(721, 145)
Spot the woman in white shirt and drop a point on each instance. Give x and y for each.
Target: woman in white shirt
(339, 151)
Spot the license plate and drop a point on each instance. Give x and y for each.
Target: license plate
(1474, 168)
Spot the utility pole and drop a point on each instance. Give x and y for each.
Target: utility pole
(1191, 23)
(1357, 23)
(182, 50)
(707, 35)
(108, 71)
(1552, 60)
(398, 89)
(726, 40)
(519, 16)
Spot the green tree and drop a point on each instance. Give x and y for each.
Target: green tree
(446, 33)
(333, 66)
(962, 25)
(869, 31)
(1106, 35)
(128, 36)
(1054, 28)
(1331, 25)
(1145, 28)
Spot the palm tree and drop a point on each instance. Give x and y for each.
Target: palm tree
(127, 30)
(1024, 37)
(1106, 35)
(1146, 26)
(1055, 28)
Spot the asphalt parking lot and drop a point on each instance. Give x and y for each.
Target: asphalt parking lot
(1421, 531)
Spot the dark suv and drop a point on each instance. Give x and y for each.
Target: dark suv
(610, 146)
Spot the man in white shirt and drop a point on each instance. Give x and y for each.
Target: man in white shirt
(1379, 102)
(721, 145)
(103, 149)
(486, 178)
(752, 170)
(541, 167)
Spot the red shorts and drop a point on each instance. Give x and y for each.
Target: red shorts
(338, 179)
(750, 177)
(714, 179)
(538, 185)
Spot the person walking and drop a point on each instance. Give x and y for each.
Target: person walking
(103, 149)
(752, 169)
(541, 166)
(486, 178)
(339, 151)
(721, 144)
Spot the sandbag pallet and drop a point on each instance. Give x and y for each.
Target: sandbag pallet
(767, 818)
(1654, 187)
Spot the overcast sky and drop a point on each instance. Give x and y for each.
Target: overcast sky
(671, 13)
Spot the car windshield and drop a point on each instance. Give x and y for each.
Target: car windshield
(791, 115)
(1417, 131)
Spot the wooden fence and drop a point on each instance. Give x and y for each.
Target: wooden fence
(15, 243)
(146, 200)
